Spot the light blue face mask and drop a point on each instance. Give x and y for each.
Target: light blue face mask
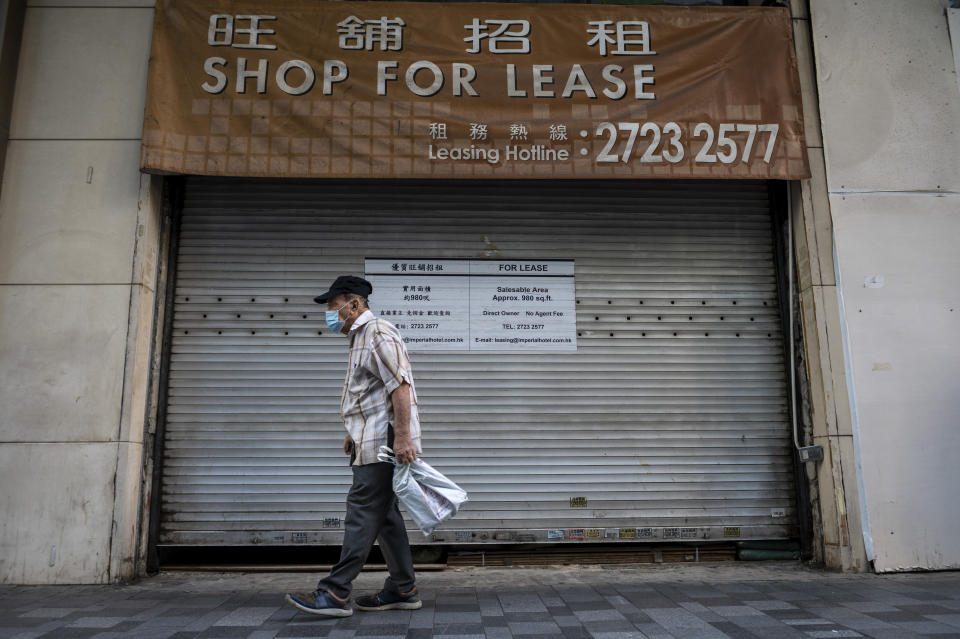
(334, 323)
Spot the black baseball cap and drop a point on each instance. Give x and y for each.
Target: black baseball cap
(346, 284)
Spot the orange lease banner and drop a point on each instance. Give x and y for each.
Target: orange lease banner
(299, 88)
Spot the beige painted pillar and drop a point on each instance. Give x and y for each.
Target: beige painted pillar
(78, 252)
(838, 537)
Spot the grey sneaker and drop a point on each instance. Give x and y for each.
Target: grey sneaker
(320, 603)
(384, 600)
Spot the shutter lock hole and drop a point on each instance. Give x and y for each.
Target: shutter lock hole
(219, 299)
(304, 317)
(628, 318)
(186, 332)
(286, 332)
(286, 299)
(703, 302)
(659, 318)
(674, 334)
(690, 317)
(734, 302)
(609, 301)
(271, 315)
(238, 315)
(596, 317)
(204, 316)
(219, 332)
(672, 302)
(611, 334)
(738, 334)
(187, 299)
(751, 319)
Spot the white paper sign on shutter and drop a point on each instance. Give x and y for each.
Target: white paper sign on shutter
(477, 305)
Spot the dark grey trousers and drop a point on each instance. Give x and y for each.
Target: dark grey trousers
(372, 514)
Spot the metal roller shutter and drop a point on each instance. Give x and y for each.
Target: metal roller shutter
(669, 421)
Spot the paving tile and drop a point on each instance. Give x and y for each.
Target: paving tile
(422, 618)
(948, 619)
(140, 633)
(853, 619)
(599, 615)
(655, 631)
(928, 627)
(807, 622)
(72, 633)
(95, 622)
(205, 621)
(441, 617)
(533, 627)
(732, 630)
(527, 616)
(681, 622)
(567, 621)
(897, 616)
(768, 627)
(700, 610)
(382, 630)
(736, 611)
(598, 627)
(225, 632)
(253, 616)
(49, 613)
(381, 617)
(458, 629)
(827, 634)
(517, 604)
(768, 604)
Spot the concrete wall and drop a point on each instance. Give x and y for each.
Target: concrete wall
(890, 109)
(78, 253)
(826, 412)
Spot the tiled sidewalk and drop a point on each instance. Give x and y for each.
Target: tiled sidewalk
(775, 601)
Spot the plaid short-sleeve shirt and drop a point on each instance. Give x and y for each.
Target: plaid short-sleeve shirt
(378, 364)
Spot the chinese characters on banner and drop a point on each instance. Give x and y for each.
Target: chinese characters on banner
(477, 305)
(298, 88)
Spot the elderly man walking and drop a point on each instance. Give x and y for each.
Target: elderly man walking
(379, 408)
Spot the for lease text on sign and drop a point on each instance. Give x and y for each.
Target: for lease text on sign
(295, 88)
(477, 305)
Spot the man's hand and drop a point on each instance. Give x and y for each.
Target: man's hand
(347, 445)
(403, 449)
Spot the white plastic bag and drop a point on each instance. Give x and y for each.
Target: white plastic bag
(426, 494)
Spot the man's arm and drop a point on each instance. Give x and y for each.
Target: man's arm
(402, 443)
